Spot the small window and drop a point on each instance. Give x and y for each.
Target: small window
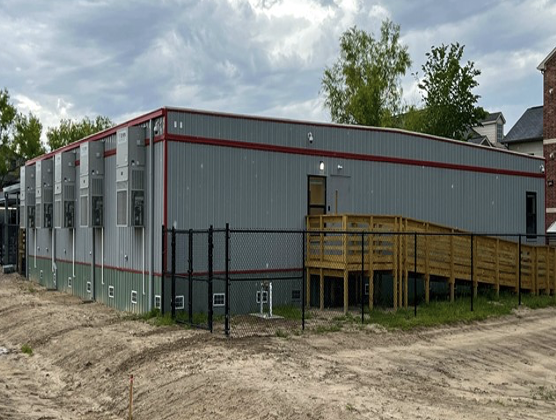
(133, 297)
(111, 292)
(367, 289)
(265, 296)
(180, 302)
(296, 294)
(157, 302)
(69, 282)
(218, 299)
(88, 287)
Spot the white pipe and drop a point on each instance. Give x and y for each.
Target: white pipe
(73, 254)
(53, 244)
(143, 260)
(270, 298)
(102, 255)
(35, 237)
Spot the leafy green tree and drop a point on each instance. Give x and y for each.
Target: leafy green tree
(20, 139)
(447, 85)
(69, 130)
(363, 86)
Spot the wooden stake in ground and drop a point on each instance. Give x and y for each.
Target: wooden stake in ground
(131, 397)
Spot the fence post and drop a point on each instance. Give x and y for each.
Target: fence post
(227, 295)
(162, 288)
(519, 272)
(173, 272)
(363, 277)
(190, 275)
(472, 287)
(415, 272)
(303, 285)
(210, 275)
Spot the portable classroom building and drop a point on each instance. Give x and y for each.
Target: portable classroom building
(191, 169)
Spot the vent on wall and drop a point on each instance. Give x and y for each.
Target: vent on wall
(130, 176)
(44, 193)
(64, 189)
(91, 184)
(27, 203)
(111, 292)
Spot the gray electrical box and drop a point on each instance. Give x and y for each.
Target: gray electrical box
(44, 194)
(27, 196)
(130, 176)
(91, 184)
(64, 190)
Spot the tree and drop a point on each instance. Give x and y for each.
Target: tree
(70, 130)
(450, 105)
(20, 138)
(363, 86)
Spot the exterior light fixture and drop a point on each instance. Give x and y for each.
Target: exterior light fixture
(310, 137)
(541, 169)
(321, 165)
(340, 167)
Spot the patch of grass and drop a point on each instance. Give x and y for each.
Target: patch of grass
(537, 302)
(443, 312)
(153, 313)
(322, 329)
(281, 333)
(290, 312)
(26, 348)
(160, 320)
(544, 393)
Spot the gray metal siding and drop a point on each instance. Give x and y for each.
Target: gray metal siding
(258, 189)
(381, 142)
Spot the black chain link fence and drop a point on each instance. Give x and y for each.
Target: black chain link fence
(278, 282)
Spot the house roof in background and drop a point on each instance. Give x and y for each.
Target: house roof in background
(493, 117)
(527, 128)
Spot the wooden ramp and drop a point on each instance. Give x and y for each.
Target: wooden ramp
(337, 247)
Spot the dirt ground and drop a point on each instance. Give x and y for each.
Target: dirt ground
(84, 354)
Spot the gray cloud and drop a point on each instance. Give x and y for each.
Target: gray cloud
(69, 59)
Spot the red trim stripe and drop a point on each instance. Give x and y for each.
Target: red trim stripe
(344, 126)
(100, 135)
(109, 267)
(345, 155)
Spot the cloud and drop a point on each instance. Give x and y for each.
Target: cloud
(68, 59)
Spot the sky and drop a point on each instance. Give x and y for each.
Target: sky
(70, 59)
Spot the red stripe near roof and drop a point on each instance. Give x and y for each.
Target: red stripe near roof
(108, 132)
(345, 155)
(346, 126)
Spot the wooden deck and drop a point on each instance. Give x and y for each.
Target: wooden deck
(334, 249)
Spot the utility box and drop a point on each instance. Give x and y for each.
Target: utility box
(91, 184)
(130, 176)
(27, 197)
(44, 194)
(64, 190)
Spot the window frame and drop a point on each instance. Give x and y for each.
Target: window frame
(182, 306)
(218, 305)
(265, 296)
